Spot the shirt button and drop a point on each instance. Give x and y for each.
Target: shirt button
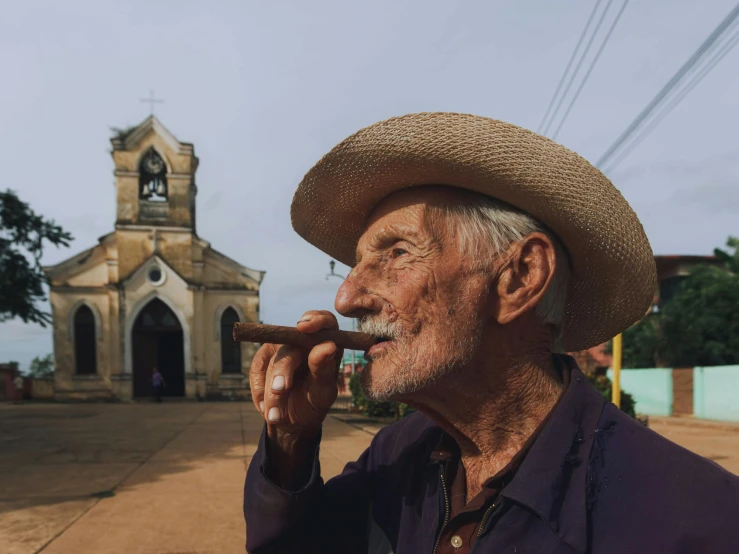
(457, 541)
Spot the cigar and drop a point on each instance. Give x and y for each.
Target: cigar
(276, 334)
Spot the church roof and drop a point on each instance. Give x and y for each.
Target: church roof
(128, 139)
(77, 263)
(96, 255)
(254, 274)
(156, 258)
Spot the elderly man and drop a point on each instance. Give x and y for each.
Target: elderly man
(479, 252)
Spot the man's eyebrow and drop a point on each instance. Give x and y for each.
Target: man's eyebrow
(389, 234)
(396, 232)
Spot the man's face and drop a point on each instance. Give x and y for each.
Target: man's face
(412, 286)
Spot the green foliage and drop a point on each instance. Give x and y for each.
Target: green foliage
(604, 386)
(366, 406)
(42, 368)
(729, 259)
(22, 234)
(699, 326)
(122, 133)
(371, 408)
(640, 343)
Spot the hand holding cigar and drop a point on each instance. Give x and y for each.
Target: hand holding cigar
(277, 334)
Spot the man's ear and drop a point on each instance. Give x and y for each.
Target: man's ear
(526, 278)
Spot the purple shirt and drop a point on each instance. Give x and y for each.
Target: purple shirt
(157, 379)
(595, 481)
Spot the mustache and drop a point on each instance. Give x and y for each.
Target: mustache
(379, 327)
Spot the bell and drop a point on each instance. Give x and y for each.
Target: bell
(161, 189)
(145, 192)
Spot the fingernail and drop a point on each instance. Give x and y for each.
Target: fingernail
(305, 318)
(274, 414)
(278, 383)
(261, 406)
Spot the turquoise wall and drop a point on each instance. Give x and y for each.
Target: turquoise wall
(716, 392)
(651, 388)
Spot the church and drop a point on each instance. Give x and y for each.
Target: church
(152, 293)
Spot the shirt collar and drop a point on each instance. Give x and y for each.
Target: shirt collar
(551, 480)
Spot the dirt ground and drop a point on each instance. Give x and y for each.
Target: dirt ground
(134, 478)
(717, 441)
(148, 478)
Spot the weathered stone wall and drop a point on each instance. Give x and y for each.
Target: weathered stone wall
(134, 247)
(67, 383)
(42, 389)
(215, 303)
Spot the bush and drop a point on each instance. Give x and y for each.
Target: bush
(371, 408)
(698, 326)
(604, 385)
(42, 368)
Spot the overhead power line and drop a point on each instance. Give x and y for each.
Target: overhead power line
(579, 65)
(672, 83)
(696, 79)
(569, 65)
(590, 69)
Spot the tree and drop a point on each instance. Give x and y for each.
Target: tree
(639, 343)
(700, 324)
(22, 280)
(42, 368)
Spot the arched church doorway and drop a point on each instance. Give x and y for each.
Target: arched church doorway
(157, 341)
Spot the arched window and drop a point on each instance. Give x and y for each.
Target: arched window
(84, 341)
(230, 349)
(153, 177)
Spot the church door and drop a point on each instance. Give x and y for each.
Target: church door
(158, 342)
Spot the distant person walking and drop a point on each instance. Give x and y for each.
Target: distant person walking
(18, 385)
(158, 382)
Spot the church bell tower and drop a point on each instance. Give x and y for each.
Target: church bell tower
(154, 178)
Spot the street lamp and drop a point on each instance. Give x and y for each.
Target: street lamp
(332, 265)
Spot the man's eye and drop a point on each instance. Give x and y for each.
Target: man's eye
(399, 252)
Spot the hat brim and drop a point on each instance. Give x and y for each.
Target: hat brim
(613, 277)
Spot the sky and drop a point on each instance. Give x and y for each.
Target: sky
(264, 89)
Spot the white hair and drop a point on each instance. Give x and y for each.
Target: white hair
(486, 227)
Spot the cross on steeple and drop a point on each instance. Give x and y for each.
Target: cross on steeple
(151, 101)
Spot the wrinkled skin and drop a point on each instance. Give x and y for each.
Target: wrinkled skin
(420, 287)
(466, 348)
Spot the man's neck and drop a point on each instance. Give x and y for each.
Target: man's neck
(491, 408)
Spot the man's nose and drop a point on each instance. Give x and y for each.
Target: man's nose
(354, 299)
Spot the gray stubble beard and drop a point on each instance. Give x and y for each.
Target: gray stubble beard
(416, 370)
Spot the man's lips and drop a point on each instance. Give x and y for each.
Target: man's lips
(381, 345)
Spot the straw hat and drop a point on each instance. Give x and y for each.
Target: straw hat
(613, 277)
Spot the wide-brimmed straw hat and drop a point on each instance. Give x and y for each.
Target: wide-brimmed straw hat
(613, 274)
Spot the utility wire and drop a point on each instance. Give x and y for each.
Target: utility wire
(577, 68)
(569, 64)
(579, 65)
(590, 69)
(696, 79)
(717, 32)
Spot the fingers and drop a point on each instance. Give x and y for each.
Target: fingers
(322, 362)
(317, 320)
(258, 372)
(287, 377)
(279, 381)
(322, 358)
